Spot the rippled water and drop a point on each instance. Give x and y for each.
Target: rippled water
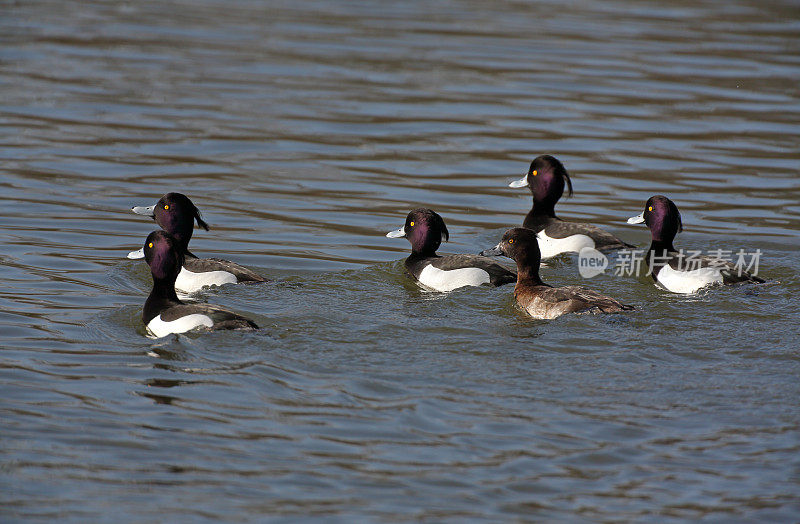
(304, 131)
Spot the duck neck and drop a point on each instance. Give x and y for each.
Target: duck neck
(528, 269)
(183, 238)
(183, 235)
(162, 296)
(417, 254)
(541, 214)
(544, 208)
(660, 246)
(425, 248)
(164, 288)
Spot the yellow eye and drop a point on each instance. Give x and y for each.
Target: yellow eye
(650, 208)
(411, 224)
(166, 206)
(150, 245)
(534, 173)
(511, 240)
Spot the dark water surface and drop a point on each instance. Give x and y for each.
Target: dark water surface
(305, 131)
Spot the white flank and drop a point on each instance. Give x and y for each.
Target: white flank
(159, 328)
(551, 247)
(189, 282)
(441, 280)
(688, 281)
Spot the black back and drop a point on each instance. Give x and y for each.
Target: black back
(603, 240)
(203, 265)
